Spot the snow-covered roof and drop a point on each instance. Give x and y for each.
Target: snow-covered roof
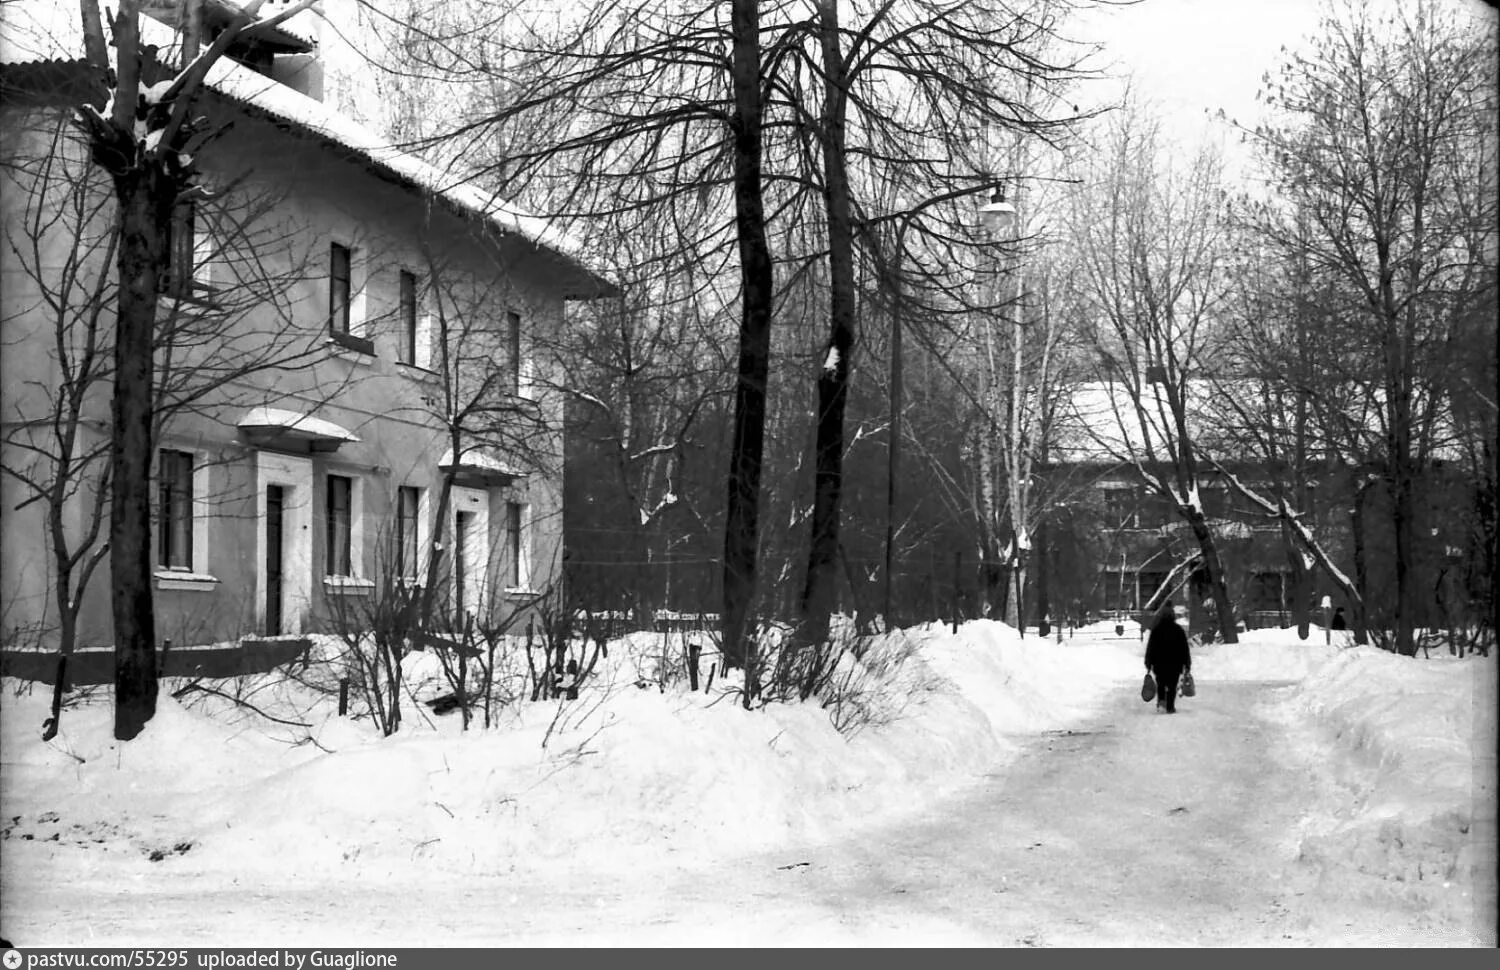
(33, 32)
(477, 462)
(294, 423)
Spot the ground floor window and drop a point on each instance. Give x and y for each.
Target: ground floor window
(338, 518)
(517, 546)
(174, 520)
(408, 515)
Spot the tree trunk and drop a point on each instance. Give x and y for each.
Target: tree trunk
(1218, 589)
(1361, 562)
(145, 208)
(1405, 528)
(1297, 567)
(833, 377)
(741, 520)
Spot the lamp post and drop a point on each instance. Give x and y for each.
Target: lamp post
(893, 451)
(999, 217)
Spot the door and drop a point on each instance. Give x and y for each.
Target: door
(274, 524)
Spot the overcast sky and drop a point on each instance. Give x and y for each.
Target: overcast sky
(1192, 56)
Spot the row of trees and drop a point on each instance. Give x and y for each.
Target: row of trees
(787, 192)
(796, 163)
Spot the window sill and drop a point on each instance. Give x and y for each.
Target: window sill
(417, 372)
(201, 298)
(520, 591)
(356, 350)
(178, 579)
(348, 586)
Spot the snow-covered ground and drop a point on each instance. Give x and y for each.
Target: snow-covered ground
(640, 776)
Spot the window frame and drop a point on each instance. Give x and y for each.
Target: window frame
(409, 533)
(175, 510)
(408, 313)
(340, 289)
(338, 543)
(513, 351)
(346, 316)
(517, 546)
(1123, 499)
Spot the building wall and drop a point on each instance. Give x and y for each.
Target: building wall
(1090, 549)
(295, 195)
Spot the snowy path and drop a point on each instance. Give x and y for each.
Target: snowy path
(1135, 828)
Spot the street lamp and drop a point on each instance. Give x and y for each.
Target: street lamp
(997, 215)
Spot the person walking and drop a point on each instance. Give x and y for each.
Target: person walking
(1167, 658)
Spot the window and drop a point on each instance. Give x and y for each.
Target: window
(408, 312)
(513, 350)
(175, 510)
(1118, 587)
(517, 574)
(1215, 501)
(1157, 510)
(408, 505)
(1265, 594)
(338, 288)
(338, 518)
(187, 253)
(1120, 508)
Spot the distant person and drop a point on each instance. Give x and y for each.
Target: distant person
(1339, 623)
(1167, 656)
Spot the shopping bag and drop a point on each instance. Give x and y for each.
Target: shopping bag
(1148, 688)
(1188, 690)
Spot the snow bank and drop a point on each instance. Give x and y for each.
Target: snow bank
(1266, 655)
(1426, 731)
(637, 768)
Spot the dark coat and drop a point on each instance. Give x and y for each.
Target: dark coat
(1167, 648)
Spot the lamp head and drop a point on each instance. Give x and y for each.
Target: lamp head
(997, 214)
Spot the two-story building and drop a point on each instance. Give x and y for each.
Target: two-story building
(346, 331)
(1110, 541)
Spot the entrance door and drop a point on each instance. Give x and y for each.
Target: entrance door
(274, 519)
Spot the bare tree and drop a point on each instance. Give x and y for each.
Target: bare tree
(1151, 236)
(224, 317)
(1382, 151)
(141, 131)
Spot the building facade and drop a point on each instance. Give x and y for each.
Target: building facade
(347, 366)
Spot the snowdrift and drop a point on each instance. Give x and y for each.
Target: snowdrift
(639, 769)
(1426, 728)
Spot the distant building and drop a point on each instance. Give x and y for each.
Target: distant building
(1111, 542)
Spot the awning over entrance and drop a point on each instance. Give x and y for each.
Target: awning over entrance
(477, 465)
(279, 427)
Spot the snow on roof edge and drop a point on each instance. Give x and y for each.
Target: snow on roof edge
(37, 34)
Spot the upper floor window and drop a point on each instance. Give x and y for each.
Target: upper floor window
(1120, 508)
(408, 318)
(513, 351)
(187, 253)
(346, 301)
(340, 265)
(1216, 503)
(175, 510)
